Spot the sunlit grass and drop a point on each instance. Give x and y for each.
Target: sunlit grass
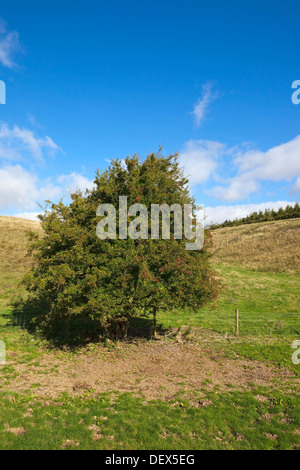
(268, 304)
(234, 420)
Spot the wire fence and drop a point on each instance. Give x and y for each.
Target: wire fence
(246, 323)
(14, 320)
(233, 323)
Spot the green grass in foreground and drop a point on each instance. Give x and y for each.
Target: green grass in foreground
(270, 351)
(238, 419)
(235, 420)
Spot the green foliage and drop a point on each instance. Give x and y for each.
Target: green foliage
(289, 212)
(109, 281)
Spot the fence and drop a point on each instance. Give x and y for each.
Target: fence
(15, 320)
(241, 323)
(237, 322)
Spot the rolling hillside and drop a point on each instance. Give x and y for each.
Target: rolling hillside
(14, 259)
(266, 246)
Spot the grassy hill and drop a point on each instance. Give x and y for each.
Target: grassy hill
(14, 258)
(266, 246)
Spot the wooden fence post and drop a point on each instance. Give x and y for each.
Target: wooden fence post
(237, 322)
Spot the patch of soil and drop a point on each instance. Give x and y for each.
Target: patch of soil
(96, 432)
(69, 443)
(17, 431)
(155, 369)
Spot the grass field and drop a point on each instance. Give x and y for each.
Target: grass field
(268, 303)
(197, 386)
(125, 422)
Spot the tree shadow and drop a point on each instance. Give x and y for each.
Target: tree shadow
(33, 316)
(142, 327)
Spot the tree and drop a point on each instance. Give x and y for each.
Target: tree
(112, 280)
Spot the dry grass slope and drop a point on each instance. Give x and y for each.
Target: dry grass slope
(265, 246)
(14, 259)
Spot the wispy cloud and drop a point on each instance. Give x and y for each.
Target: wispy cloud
(34, 123)
(9, 45)
(16, 143)
(199, 158)
(296, 187)
(200, 108)
(75, 181)
(21, 153)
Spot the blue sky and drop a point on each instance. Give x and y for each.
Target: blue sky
(90, 81)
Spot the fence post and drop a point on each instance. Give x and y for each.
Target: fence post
(237, 322)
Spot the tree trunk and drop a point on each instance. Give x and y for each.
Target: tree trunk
(120, 329)
(117, 330)
(154, 321)
(67, 327)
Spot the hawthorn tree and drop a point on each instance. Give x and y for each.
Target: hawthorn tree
(77, 275)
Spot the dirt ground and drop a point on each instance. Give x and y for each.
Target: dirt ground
(156, 369)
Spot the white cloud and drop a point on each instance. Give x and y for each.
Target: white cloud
(296, 186)
(221, 213)
(16, 143)
(18, 188)
(9, 45)
(238, 189)
(22, 191)
(280, 163)
(28, 215)
(199, 158)
(75, 181)
(49, 190)
(200, 108)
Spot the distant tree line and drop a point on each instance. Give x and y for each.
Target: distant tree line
(289, 212)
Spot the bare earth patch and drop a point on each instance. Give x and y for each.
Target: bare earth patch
(156, 369)
(69, 443)
(17, 431)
